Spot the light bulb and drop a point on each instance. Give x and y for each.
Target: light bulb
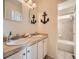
(34, 5)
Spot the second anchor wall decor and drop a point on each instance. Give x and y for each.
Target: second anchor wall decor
(44, 21)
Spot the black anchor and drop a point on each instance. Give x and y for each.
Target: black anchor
(44, 21)
(33, 21)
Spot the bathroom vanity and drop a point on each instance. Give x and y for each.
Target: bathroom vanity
(35, 48)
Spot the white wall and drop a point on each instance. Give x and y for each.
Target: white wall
(65, 29)
(50, 6)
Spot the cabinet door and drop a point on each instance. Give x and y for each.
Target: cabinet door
(32, 52)
(45, 47)
(23, 53)
(40, 50)
(15, 56)
(19, 55)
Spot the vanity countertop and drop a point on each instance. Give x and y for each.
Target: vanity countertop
(12, 49)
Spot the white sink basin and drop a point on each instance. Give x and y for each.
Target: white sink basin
(17, 42)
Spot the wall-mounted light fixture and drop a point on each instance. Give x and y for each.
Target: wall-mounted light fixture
(44, 20)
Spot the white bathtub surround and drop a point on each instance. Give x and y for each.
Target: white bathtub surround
(66, 45)
(64, 55)
(66, 42)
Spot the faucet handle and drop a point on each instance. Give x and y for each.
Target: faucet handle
(10, 33)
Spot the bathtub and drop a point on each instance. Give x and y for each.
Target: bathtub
(66, 45)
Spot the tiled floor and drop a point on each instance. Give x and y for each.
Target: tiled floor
(48, 57)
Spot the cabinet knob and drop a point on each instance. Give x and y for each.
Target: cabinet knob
(23, 53)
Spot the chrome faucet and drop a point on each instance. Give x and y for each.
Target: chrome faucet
(9, 37)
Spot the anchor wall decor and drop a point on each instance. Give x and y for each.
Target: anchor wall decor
(33, 21)
(45, 20)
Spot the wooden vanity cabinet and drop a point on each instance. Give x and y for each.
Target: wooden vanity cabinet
(32, 52)
(35, 51)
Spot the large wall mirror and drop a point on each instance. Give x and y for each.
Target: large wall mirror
(12, 10)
